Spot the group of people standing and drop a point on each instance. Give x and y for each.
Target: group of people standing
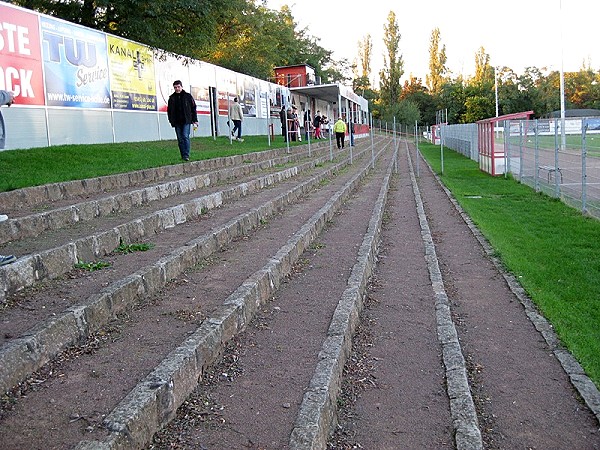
(318, 122)
(290, 125)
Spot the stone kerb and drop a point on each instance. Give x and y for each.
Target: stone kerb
(32, 225)
(317, 415)
(37, 195)
(23, 356)
(144, 410)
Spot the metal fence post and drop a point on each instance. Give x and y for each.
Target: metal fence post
(507, 153)
(556, 185)
(372, 145)
(520, 151)
(584, 127)
(442, 148)
(536, 158)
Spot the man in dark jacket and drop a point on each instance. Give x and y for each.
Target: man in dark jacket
(181, 110)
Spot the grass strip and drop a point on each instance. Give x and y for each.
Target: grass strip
(43, 165)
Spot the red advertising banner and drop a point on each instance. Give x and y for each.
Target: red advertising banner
(20, 56)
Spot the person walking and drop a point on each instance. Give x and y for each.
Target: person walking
(237, 115)
(317, 123)
(181, 111)
(339, 128)
(283, 119)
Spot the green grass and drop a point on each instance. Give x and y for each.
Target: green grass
(91, 266)
(551, 248)
(133, 247)
(37, 166)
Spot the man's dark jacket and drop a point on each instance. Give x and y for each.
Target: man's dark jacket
(181, 109)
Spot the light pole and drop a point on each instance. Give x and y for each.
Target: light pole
(496, 94)
(563, 138)
(496, 87)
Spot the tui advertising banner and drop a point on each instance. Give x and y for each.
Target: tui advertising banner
(75, 65)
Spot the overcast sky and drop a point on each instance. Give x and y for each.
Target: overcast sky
(517, 34)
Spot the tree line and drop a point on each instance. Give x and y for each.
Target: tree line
(466, 100)
(247, 37)
(241, 35)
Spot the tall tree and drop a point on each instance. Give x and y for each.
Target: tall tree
(484, 72)
(361, 82)
(365, 53)
(178, 26)
(414, 91)
(437, 63)
(393, 64)
(242, 35)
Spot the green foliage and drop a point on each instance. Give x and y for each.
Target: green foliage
(390, 75)
(241, 35)
(405, 112)
(365, 52)
(133, 247)
(550, 247)
(91, 266)
(437, 63)
(169, 25)
(484, 72)
(478, 107)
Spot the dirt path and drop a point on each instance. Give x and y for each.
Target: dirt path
(522, 394)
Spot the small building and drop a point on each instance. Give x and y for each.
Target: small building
(332, 100)
(295, 76)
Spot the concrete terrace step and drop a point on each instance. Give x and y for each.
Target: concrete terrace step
(155, 399)
(33, 268)
(21, 356)
(28, 225)
(38, 195)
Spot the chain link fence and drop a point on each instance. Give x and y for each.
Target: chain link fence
(564, 165)
(537, 155)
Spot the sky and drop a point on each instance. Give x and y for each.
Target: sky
(514, 33)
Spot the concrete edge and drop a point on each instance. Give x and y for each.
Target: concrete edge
(317, 415)
(154, 401)
(467, 434)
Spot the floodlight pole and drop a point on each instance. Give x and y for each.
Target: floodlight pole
(563, 142)
(496, 87)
